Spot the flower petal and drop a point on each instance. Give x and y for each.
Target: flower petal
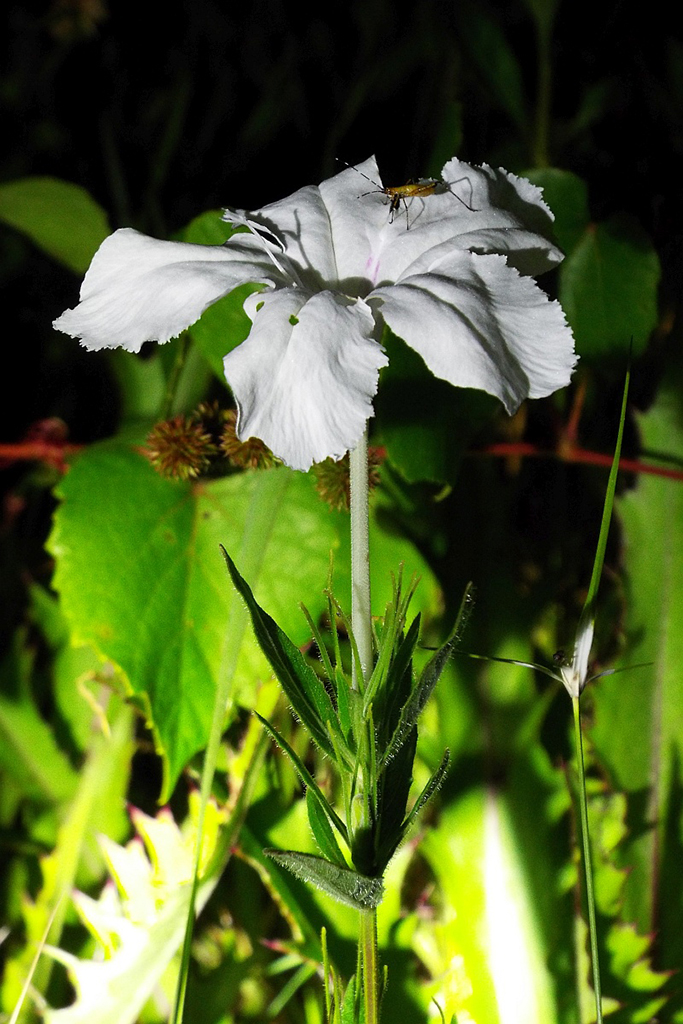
(334, 232)
(302, 225)
(478, 209)
(478, 324)
(141, 289)
(305, 377)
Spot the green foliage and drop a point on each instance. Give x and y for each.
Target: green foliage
(638, 728)
(369, 734)
(140, 604)
(59, 217)
(147, 598)
(608, 282)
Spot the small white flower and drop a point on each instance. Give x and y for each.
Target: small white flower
(575, 676)
(452, 278)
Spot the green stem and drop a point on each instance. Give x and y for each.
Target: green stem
(588, 870)
(361, 618)
(361, 622)
(174, 376)
(368, 941)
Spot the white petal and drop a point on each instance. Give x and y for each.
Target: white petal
(582, 649)
(474, 209)
(302, 225)
(305, 377)
(361, 222)
(478, 324)
(141, 289)
(334, 233)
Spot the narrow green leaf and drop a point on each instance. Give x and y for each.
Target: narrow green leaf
(418, 701)
(322, 830)
(352, 1007)
(306, 777)
(343, 702)
(608, 504)
(30, 756)
(428, 792)
(424, 688)
(342, 884)
(307, 695)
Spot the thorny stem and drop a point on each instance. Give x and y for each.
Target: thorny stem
(588, 870)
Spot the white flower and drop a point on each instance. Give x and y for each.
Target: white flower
(450, 274)
(575, 676)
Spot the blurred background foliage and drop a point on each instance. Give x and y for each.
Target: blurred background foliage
(154, 118)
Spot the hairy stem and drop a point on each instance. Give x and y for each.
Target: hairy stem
(361, 620)
(370, 968)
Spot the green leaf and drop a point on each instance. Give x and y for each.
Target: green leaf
(352, 1010)
(59, 217)
(342, 884)
(428, 792)
(424, 423)
(424, 688)
(496, 61)
(638, 730)
(306, 693)
(608, 289)
(141, 578)
(306, 777)
(29, 753)
(567, 196)
(322, 830)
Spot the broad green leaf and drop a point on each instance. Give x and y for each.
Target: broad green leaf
(59, 217)
(141, 578)
(342, 884)
(567, 196)
(638, 730)
(608, 289)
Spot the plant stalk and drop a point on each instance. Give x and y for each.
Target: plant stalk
(361, 622)
(361, 618)
(370, 966)
(587, 867)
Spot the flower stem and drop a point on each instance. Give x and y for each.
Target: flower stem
(368, 942)
(361, 619)
(361, 622)
(590, 895)
(174, 376)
